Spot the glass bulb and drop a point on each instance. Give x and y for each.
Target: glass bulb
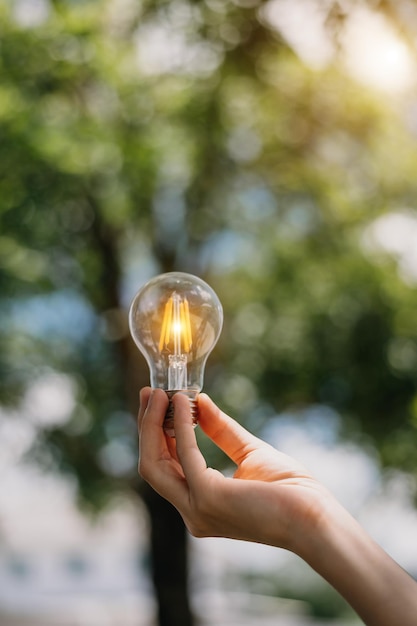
(175, 320)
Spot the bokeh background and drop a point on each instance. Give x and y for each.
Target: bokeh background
(270, 148)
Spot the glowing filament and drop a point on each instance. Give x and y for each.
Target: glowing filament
(176, 326)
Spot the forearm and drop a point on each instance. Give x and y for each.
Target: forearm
(376, 587)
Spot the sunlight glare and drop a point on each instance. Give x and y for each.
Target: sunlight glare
(395, 233)
(375, 55)
(302, 24)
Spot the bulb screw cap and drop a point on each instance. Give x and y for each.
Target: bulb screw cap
(169, 417)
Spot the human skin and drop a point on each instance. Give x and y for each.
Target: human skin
(271, 499)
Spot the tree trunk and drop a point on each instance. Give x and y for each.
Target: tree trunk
(169, 561)
(168, 534)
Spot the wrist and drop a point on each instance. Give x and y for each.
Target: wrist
(370, 581)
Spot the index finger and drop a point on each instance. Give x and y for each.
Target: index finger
(191, 459)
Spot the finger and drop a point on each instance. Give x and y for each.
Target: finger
(226, 433)
(144, 396)
(152, 442)
(158, 463)
(189, 455)
(172, 447)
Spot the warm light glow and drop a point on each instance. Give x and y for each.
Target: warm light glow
(176, 335)
(372, 49)
(375, 54)
(186, 324)
(164, 339)
(176, 328)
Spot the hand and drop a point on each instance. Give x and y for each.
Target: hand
(271, 498)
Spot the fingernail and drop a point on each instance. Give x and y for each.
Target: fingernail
(147, 403)
(151, 396)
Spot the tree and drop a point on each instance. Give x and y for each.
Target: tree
(222, 154)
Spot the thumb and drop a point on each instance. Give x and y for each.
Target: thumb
(226, 433)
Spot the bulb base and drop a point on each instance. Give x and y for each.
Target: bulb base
(169, 417)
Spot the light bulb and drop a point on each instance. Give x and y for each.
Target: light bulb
(175, 320)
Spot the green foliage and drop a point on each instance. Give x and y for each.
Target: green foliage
(320, 600)
(141, 137)
(229, 158)
(323, 603)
